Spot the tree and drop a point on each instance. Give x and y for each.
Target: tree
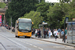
(42, 0)
(17, 8)
(2, 5)
(42, 8)
(69, 10)
(63, 1)
(8, 19)
(55, 15)
(36, 18)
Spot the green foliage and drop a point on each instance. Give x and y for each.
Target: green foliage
(2, 5)
(59, 12)
(63, 1)
(55, 16)
(42, 8)
(69, 10)
(17, 8)
(36, 18)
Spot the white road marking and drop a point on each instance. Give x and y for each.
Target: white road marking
(30, 44)
(34, 46)
(40, 48)
(24, 42)
(68, 47)
(23, 45)
(64, 47)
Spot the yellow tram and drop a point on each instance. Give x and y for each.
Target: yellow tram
(23, 27)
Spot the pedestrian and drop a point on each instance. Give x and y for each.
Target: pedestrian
(53, 32)
(62, 33)
(50, 33)
(45, 33)
(65, 35)
(39, 33)
(41, 29)
(36, 32)
(56, 34)
(59, 31)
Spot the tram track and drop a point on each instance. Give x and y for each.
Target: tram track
(15, 42)
(18, 45)
(22, 42)
(3, 46)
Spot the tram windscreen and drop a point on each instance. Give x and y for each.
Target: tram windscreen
(25, 26)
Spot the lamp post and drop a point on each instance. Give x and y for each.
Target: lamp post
(65, 21)
(4, 20)
(58, 23)
(11, 24)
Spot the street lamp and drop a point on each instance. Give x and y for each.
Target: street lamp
(64, 31)
(11, 24)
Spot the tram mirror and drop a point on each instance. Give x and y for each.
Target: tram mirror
(32, 23)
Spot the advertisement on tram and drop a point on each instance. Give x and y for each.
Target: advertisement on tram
(0, 20)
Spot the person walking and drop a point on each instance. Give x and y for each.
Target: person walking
(42, 32)
(36, 32)
(45, 33)
(50, 33)
(56, 34)
(39, 33)
(62, 33)
(65, 35)
(59, 31)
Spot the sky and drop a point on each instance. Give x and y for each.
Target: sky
(51, 0)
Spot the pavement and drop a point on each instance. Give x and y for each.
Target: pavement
(52, 39)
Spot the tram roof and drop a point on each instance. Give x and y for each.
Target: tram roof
(24, 20)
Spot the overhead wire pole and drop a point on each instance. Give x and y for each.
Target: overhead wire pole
(64, 31)
(65, 21)
(11, 24)
(4, 20)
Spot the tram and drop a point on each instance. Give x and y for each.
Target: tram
(23, 27)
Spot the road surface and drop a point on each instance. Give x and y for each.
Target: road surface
(9, 42)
